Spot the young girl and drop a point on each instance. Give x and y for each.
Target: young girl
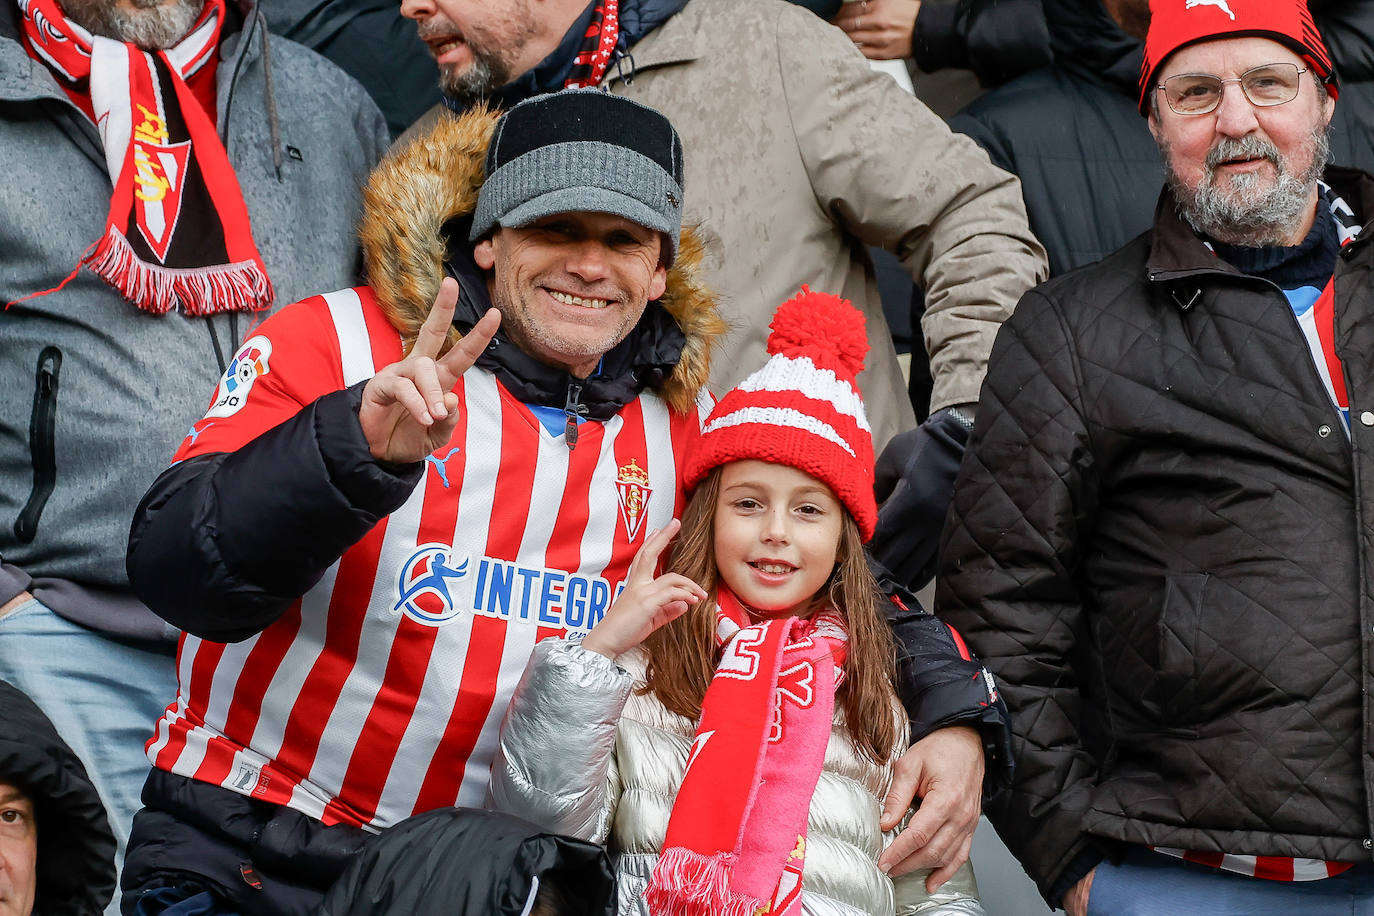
(730, 727)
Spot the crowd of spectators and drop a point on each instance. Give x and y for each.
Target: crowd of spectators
(411, 410)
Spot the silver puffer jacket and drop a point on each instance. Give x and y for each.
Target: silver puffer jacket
(584, 755)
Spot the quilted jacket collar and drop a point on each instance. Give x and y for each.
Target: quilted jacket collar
(1176, 251)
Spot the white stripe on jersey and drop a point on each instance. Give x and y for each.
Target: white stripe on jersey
(444, 676)
(355, 348)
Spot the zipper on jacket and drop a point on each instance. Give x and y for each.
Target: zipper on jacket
(573, 410)
(42, 443)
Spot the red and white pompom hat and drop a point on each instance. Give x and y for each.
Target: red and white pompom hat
(803, 408)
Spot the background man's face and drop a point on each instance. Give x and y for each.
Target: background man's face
(572, 286)
(1241, 170)
(149, 24)
(18, 852)
(479, 45)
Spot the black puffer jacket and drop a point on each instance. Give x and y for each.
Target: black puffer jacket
(76, 871)
(1089, 169)
(1160, 542)
(467, 862)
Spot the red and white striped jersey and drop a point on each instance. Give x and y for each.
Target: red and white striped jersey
(379, 693)
(1272, 868)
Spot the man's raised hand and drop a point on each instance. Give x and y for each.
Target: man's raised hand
(409, 408)
(648, 601)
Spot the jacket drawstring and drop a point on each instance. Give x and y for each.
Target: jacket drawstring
(273, 124)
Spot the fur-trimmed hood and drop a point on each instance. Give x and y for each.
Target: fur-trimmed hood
(433, 179)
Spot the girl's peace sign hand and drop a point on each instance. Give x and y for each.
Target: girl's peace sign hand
(648, 601)
(409, 408)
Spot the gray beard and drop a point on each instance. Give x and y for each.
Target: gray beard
(475, 83)
(1224, 210)
(152, 25)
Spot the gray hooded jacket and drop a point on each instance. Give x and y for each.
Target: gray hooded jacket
(97, 393)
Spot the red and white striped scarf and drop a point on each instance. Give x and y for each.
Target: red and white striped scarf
(736, 841)
(177, 234)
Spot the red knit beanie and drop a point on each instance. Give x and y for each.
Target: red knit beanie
(1175, 24)
(803, 408)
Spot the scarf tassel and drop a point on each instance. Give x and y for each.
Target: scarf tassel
(687, 883)
(199, 291)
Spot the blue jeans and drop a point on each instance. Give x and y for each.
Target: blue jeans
(1149, 883)
(102, 696)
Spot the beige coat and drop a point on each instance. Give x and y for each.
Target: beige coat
(798, 155)
(582, 754)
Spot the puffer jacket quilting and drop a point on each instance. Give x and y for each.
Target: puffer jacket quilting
(1175, 599)
(583, 754)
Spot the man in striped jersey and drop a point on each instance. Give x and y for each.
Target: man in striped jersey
(373, 524)
(1174, 453)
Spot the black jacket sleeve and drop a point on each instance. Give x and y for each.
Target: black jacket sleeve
(915, 479)
(940, 684)
(1021, 518)
(997, 39)
(223, 543)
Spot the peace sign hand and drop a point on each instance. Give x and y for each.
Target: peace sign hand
(648, 601)
(409, 408)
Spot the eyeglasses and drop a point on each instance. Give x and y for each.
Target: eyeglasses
(1265, 86)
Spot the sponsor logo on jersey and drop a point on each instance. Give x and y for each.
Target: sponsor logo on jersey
(435, 587)
(423, 585)
(248, 365)
(633, 490)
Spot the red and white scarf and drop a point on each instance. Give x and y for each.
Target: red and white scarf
(736, 841)
(177, 233)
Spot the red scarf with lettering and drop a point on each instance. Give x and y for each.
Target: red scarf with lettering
(177, 233)
(736, 839)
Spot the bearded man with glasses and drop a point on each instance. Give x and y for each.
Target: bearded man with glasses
(1175, 453)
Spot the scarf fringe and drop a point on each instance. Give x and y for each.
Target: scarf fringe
(199, 291)
(687, 883)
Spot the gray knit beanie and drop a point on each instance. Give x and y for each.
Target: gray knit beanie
(583, 150)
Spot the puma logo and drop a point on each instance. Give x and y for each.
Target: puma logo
(1219, 4)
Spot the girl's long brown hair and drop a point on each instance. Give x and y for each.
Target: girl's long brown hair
(682, 654)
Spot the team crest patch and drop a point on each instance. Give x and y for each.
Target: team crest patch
(248, 365)
(422, 587)
(633, 490)
(160, 170)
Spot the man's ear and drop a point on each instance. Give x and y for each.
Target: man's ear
(658, 283)
(484, 254)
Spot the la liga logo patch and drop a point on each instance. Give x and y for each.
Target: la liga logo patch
(248, 365)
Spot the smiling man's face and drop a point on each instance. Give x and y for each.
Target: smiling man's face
(571, 286)
(1244, 174)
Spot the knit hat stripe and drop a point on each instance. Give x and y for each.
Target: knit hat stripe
(824, 412)
(784, 373)
(784, 417)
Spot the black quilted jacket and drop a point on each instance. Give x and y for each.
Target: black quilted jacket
(1160, 543)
